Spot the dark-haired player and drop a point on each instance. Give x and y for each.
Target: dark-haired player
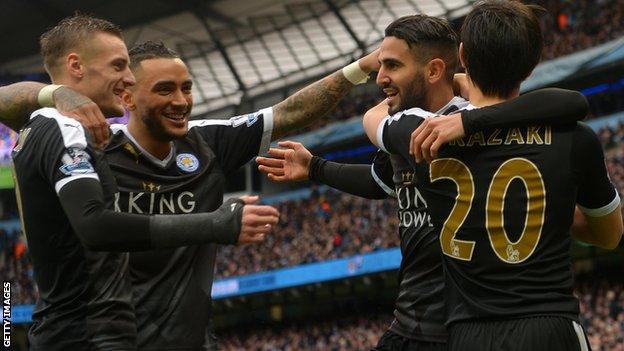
(162, 158)
(418, 58)
(504, 199)
(65, 192)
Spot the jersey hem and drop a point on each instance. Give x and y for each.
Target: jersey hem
(570, 316)
(437, 338)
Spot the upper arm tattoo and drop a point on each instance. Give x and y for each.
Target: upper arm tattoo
(17, 102)
(309, 103)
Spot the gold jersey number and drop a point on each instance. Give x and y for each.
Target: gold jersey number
(506, 250)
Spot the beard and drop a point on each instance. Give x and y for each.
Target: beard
(414, 95)
(157, 129)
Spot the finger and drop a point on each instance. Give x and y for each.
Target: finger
(271, 170)
(262, 210)
(270, 162)
(426, 145)
(279, 153)
(435, 147)
(276, 178)
(419, 140)
(415, 134)
(99, 135)
(289, 144)
(250, 239)
(260, 221)
(260, 229)
(249, 199)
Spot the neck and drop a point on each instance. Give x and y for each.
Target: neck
(157, 148)
(479, 99)
(442, 96)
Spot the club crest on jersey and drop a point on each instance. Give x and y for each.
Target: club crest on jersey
(187, 162)
(76, 161)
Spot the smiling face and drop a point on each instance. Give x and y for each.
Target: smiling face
(162, 98)
(104, 72)
(401, 77)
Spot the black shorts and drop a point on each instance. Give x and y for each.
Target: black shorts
(524, 334)
(391, 341)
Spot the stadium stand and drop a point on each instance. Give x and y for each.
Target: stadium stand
(602, 315)
(576, 25)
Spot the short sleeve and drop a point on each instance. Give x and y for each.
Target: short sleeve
(238, 139)
(64, 155)
(596, 195)
(394, 132)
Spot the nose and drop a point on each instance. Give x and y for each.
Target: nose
(179, 99)
(128, 78)
(382, 78)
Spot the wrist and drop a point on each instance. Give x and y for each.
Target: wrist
(46, 95)
(315, 167)
(354, 73)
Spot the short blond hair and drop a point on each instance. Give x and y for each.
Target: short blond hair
(69, 34)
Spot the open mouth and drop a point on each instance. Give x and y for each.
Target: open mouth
(118, 93)
(390, 93)
(178, 117)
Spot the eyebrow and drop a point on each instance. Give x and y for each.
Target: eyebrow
(170, 83)
(120, 60)
(390, 60)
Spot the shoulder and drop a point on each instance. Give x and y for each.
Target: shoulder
(199, 123)
(70, 130)
(117, 128)
(248, 120)
(584, 133)
(410, 114)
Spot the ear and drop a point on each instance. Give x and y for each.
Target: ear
(462, 60)
(127, 100)
(74, 65)
(436, 70)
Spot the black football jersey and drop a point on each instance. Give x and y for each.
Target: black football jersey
(381, 170)
(504, 200)
(419, 312)
(84, 296)
(172, 286)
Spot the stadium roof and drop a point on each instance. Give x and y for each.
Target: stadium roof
(235, 49)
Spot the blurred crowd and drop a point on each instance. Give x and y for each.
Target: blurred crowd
(16, 268)
(345, 334)
(602, 316)
(328, 225)
(574, 25)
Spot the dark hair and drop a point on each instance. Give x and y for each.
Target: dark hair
(69, 34)
(429, 37)
(149, 50)
(502, 43)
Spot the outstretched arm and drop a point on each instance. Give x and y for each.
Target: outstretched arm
(102, 229)
(293, 162)
(319, 98)
(19, 100)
